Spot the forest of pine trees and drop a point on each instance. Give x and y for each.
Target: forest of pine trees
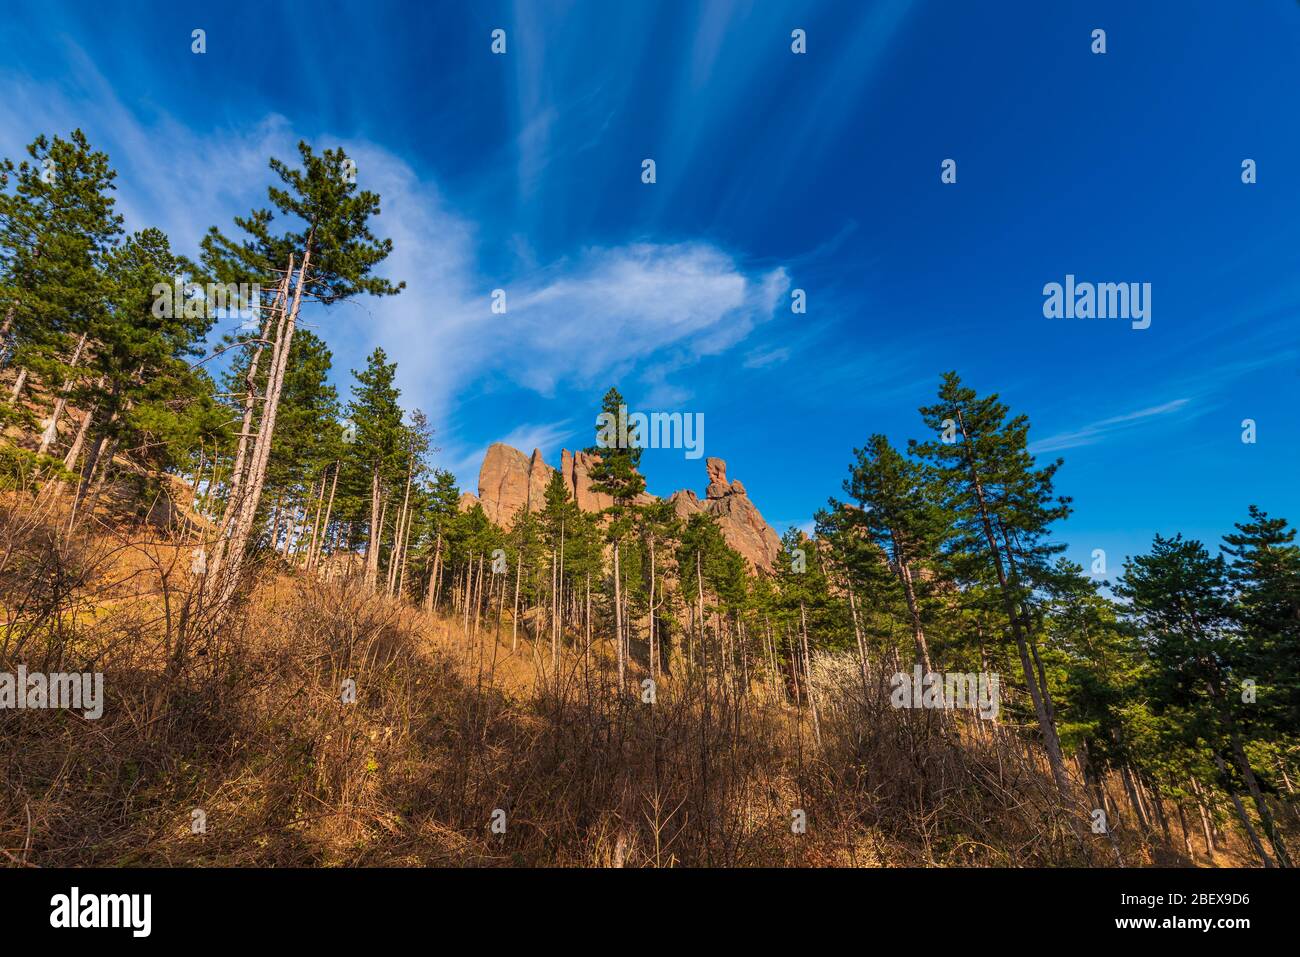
(1167, 697)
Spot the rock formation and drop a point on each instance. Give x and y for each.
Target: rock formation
(510, 480)
(576, 469)
(741, 523)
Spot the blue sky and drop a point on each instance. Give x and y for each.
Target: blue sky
(774, 171)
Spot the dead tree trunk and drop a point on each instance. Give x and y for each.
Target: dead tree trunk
(52, 430)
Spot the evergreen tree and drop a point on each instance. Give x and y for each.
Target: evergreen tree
(863, 575)
(1002, 506)
(57, 225)
(440, 503)
(1100, 700)
(557, 520)
(1265, 571)
(334, 254)
(614, 474)
(379, 449)
(897, 511)
(140, 387)
(310, 442)
(1180, 596)
(660, 529)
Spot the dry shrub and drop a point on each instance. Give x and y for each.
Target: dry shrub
(248, 723)
(940, 787)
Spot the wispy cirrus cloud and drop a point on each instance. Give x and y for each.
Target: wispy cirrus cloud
(644, 310)
(762, 358)
(1095, 432)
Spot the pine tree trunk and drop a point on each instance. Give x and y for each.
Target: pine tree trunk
(1153, 798)
(193, 503)
(794, 667)
(275, 523)
(439, 568)
(97, 453)
(1242, 816)
(1187, 834)
(559, 584)
(469, 574)
(478, 597)
(252, 484)
(239, 473)
(375, 540)
(778, 689)
(1261, 805)
(79, 441)
(434, 574)
(399, 536)
(618, 617)
(213, 484)
(654, 650)
(904, 574)
(1134, 799)
(808, 676)
(744, 655)
(52, 430)
(401, 569)
(105, 464)
(555, 648)
(315, 523)
(1207, 833)
(314, 558)
(857, 635)
(586, 652)
(17, 389)
(514, 615)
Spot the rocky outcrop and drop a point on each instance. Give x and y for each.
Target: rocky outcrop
(539, 476)
(510, 480)
(576, 469)
(740, 520)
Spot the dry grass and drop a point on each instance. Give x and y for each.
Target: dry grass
(246, 722)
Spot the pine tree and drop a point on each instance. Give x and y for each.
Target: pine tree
(379, 450)
(865, 578)
(614, 474)
(1002, 506)
(807, 610)
(1102, 708)
(417, 442)
(56, 226)
(1181, 598)
(309, 442)
(1265, 571)
(660, 529)
(441, 501)
(898, 512)
(557, 517)
(139, 385)
(334, 254)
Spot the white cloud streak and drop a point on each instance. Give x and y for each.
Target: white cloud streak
(1097, 431)
(643, 310)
